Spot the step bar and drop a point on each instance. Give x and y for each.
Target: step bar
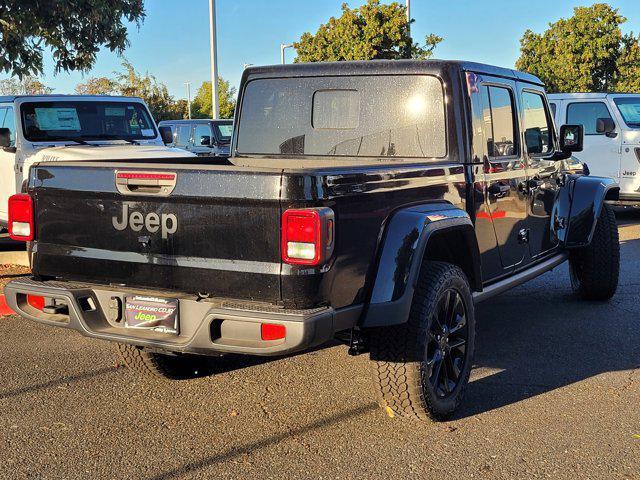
(519, 278)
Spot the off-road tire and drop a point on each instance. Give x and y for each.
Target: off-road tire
(172, 367)
(595, 268)
(398, 353)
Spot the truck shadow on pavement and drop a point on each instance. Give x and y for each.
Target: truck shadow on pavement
(540, 337)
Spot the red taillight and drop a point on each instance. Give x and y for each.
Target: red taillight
(21, 226)
(307, 236)
(271, 331)
(35, 301)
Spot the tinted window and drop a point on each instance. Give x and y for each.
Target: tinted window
(224, 131)
(500, 123)
(45, 121)
(183, 134)
(200, 131)
(554, 108)
(630, 110)
(587, 114)
(537, 128)
(399, 116)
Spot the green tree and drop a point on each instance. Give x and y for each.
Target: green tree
(584, 53)
(26, 85)
(373, 31)
(201, 105)
(74, 31)
(97, 86)
(131, 83)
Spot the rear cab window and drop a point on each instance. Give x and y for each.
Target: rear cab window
(355, 116)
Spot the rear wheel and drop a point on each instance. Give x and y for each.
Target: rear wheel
(595, 268)
(421, 368)
(172, 367)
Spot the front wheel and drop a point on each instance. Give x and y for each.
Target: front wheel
(595, 268)
(422, 367)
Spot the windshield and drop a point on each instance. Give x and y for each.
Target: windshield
(223, 131)
(630, 110)
(86, 120)
(363, 116)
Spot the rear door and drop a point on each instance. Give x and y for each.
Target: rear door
(214, 230)
(504, 168)
(601, 152)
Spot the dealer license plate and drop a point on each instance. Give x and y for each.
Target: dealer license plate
(151, 313)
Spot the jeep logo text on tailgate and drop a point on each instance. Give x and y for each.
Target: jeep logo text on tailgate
(167, 222)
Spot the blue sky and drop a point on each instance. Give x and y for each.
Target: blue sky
(173, 42)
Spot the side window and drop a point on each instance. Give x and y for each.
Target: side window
(499, 122)
(537, 126)
(587, 114)
(554, 109)
(201, 131)
(183, 134)
(8, 121)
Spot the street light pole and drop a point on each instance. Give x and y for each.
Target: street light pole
(215, 102)
(188, 84)
(283, 47)
(409, 16)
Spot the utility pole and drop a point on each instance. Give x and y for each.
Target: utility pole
(215, 101)
(408, 3)
(188, 84)
(283, 47)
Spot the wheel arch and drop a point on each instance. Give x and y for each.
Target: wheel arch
(578, 208)
(439, 232)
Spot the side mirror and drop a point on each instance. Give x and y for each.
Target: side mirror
(205, 140)
(166, 134)
(571, 138)
(606, 126)
(5, 137)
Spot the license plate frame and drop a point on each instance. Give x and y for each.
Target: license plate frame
(155, 314)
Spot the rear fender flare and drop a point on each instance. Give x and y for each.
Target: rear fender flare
(578, 208)
(403, 248)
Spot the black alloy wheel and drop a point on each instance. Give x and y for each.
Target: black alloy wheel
(446, 351)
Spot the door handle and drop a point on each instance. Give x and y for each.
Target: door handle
(530, 185)
(499, 190)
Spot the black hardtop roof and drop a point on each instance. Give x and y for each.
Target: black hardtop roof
(373, 67)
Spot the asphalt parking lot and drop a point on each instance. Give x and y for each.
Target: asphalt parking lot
(554, 394)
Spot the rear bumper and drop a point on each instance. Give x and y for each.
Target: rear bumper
(207, 326)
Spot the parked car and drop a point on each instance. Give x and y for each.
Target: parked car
(72, 127)
(373, 202)
(205, 138)
(612, 136)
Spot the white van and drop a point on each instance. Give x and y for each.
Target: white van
(612, 135)
(72, 127)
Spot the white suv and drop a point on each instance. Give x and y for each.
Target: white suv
(47, 128)
(612, 135)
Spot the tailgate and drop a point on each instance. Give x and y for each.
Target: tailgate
(216, 232)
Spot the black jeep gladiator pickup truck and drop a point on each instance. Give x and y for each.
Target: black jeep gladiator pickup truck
(373, 202)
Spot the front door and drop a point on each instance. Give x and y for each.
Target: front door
(542, 175)
(8, 181)
(504, 169)
(601, 152)
(201, 132)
